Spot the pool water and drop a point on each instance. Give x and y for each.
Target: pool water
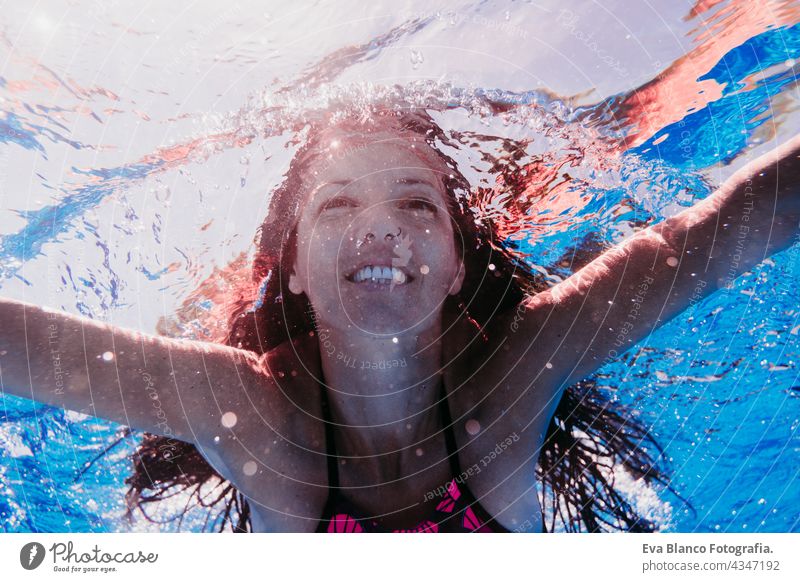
(138, 146)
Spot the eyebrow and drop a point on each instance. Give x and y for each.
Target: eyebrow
(342, 183)
(415, 182)
(403, 181)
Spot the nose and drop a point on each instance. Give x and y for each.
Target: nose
(379, 225)
(391, 236)
(388, 237)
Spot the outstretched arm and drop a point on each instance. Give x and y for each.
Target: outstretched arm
(622, 296)
(163, 386)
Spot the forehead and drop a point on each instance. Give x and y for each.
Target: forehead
(375, 156)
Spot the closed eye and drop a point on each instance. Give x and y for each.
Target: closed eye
(338, 202)
(420, 204)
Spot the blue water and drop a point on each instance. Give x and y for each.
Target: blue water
(137, 163)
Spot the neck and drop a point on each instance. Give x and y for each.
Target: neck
(383, 394)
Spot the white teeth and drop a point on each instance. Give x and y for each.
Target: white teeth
(376, 274)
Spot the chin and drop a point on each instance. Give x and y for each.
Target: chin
(390, 320)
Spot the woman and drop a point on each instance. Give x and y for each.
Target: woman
(398, 364)
(568, 466)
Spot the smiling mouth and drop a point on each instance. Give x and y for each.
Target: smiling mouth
(380, 275)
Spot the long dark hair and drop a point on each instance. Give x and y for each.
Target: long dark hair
(588, 434)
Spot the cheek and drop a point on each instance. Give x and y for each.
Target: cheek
(327, 242)
(320, 252)
(440, 256)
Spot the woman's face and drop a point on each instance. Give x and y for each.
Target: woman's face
(375, 240)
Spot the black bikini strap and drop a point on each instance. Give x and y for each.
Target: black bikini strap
(330, 444)
(449, 437)
(333, 470)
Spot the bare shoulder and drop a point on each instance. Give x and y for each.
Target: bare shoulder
(279, 390)
(512, 357)
(500, 411)
(269, 440)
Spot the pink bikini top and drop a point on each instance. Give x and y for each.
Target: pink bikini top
(458, 510)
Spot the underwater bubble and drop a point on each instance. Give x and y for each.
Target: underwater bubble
(229, 420)
(472, 427)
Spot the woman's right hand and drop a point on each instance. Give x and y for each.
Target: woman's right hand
(149, 383)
